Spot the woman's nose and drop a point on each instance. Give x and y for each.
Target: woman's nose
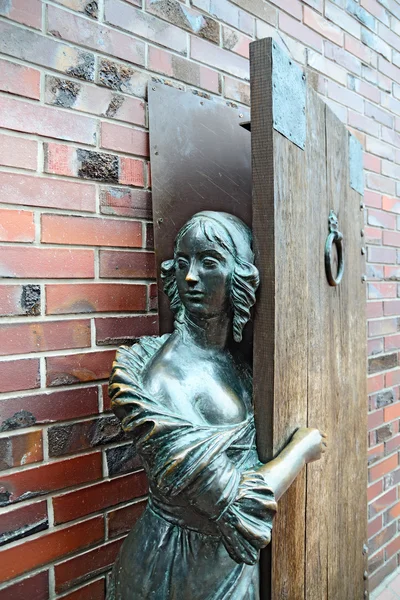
(192, 275)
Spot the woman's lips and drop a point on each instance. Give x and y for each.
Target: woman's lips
(194, 294)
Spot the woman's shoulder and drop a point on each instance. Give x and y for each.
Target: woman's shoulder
(133, 360)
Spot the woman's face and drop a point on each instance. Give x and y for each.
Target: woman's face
(203, 273)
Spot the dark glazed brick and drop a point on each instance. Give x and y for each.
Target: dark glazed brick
(121, 264)
(48, 407)
(95, 297)
(125, 202)
(16, 375)
(123, 78)
(98, 166)
(122, 520)
(66, 439)
(384, 398)
(383, 433)
(185, 18)
(79, 503)
(23, 521)
(122, 459)
(382, 363)
(17, 450)
(125, 330)
(63, 92)
(87, 565)
(35, 587)
(375, 562)
(382, 538)
(30, 299)
(95, 590)
(49, 477)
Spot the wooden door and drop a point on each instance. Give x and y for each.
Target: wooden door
(310, 337)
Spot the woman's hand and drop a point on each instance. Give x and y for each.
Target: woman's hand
(312, 441)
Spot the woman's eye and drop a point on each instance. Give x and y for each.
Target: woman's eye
(209, 263)
(182, 264)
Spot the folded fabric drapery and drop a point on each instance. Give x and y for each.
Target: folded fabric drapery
(209, 511)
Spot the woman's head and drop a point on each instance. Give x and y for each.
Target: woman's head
(212, 271)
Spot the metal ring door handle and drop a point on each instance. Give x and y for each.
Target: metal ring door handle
(334, 237)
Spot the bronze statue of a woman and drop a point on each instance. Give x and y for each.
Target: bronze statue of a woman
(186, 398)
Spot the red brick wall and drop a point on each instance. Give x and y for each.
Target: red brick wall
(76, 239)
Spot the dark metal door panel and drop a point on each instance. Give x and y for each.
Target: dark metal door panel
(200, 160)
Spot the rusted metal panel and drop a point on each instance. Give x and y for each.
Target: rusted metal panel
(200, 160)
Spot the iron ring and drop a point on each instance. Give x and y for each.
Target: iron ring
(335, 237)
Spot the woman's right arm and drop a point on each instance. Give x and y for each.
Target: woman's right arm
(306, 445)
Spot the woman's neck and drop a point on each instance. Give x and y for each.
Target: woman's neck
(212, 333)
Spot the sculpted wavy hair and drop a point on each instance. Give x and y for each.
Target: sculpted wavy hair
(245, 277)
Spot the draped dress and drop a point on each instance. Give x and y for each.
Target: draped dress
(209, 512)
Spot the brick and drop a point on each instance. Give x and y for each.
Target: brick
(94, 100)
(144, 25)
(327, 67)
(26, 12)
(125, 202)
(392, 412)
(23, 521)
(391, 238)
(178, 67)
(391, 104)
(393, 513)
(49, 547)
(391, 308)
(374, 526)
(18, 152)
(389, 69)
(50, 193)
(342, 57)
(19, 80)
(40, 50)
(300, 32)
(46, 263)
(374, 490)
(383, 327)
(86, 565)
(265, 12)
(48, 407)
(383, 399)
(378, 114)
(91, 231)
(121, 520)
(363, 123)
(358, 49)
(124, 330)
(392, 378)
(384, 433)
(94, 297)
(225, 11)
(88, 7)
(122, 77)
(376, 561)
(380, 148)
(377, 10)
(235, 41)
(19, 300)
(382, 573)
(219, 58)
(95, 590)
(389, 35)
(381, 255)
(43, 120)
(342, 19)
(18, 450)
(237, 90)
(392, 342)
(392, 445)
(384, 467)
(375, 43)
(382, 290)
(185, 18)
(392, 548)
(322, 26)
(382, 363)
(124, 139)
(375, 454)
(379, 218)
(122, 459)
(120, 264)
(374, 272)
(70, 438)
(345, 96)
(374, 310)
(49, 477)
(18, 375)
(390, 170)
(16, 226)
(153, 297)
(381, 184)
(73, 368)
(372, 163)
(373, 235)
(21, 338)
(375, 419)
(87, 164)
(35, 587)
(96, 36)
(79, 503)
(339, 110)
